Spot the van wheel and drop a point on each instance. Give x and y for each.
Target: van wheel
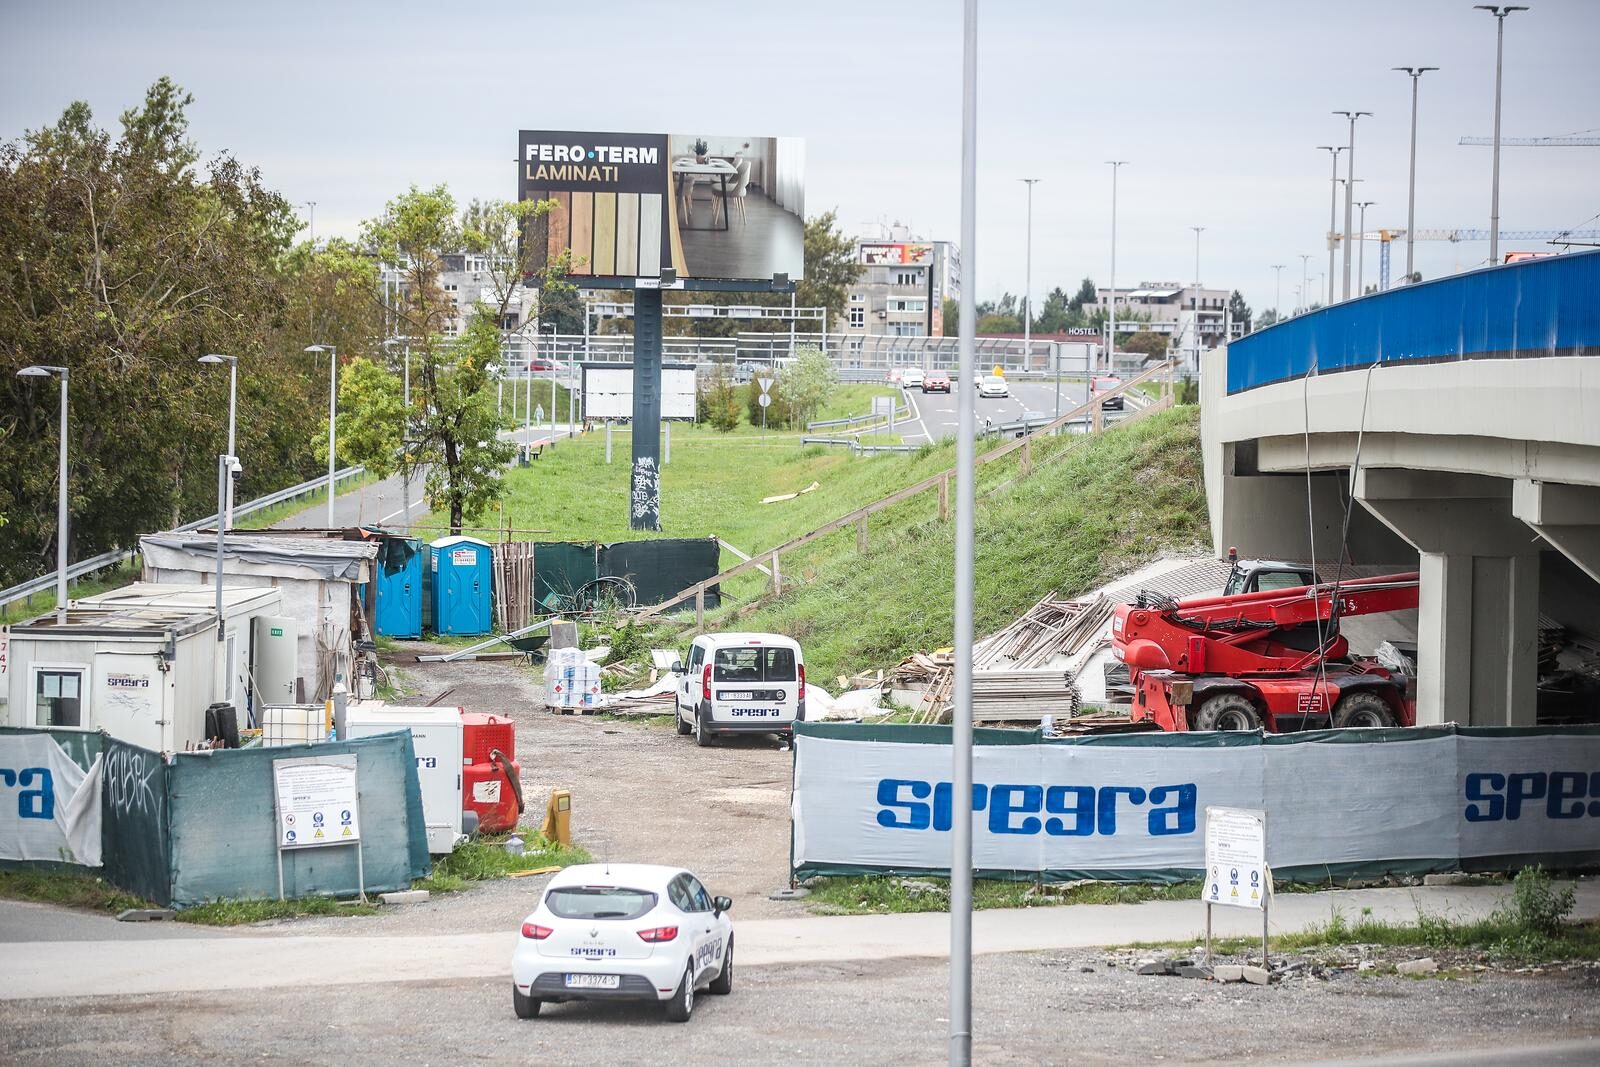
(1362, 709)
(682, 723)
(1227, 711)
(702, 735)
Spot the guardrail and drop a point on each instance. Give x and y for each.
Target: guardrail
(902, 411)
(89, 566)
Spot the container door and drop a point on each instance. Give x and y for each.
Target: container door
(130, 704)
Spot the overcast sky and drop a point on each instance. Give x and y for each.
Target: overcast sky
(1218, 107)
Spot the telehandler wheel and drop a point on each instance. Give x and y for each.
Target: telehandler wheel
(1362, 709)
(1227, 711)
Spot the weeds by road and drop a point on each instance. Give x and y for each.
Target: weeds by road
(884, 894)
(485, 858)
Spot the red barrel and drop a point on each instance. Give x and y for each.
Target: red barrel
(490, 774)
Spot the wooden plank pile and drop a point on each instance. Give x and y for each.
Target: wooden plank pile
(513, 583)
(1050, 628)
(1023, 695)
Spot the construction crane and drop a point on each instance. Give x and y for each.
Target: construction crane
(1571, 140)
(1456, 236)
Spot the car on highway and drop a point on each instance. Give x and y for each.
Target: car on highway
(623, 931)
(740, 683)
(993, 386)
(912, 378)
(540, 364)
(1105, 385)
(936, 381)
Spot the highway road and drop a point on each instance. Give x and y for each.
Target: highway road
(935, 413)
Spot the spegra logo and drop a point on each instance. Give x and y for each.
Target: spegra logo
(1073, 810)
(1502, 796)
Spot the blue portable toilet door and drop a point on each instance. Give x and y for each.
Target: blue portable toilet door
(466, 589)
(399, 590)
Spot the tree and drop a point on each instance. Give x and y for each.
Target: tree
(125, 258)
(1238, 310)
(806, 384)
(719, 402)
(776, 412)
(1086, 294)
(1145, 342)
(372, 418)
(1266, 318)
(455, 425)
(952, 317)
(830, 265)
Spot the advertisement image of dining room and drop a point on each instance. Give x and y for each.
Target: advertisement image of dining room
(739, 205)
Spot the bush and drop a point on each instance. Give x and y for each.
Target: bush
(718, 401)
(1536, 906)
(777, 411)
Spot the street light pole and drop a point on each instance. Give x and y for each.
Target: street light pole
(216, 358)
(553, 327)
(63, 530)
(333, 415)
(1111, 337)
(1305, 257)
(1416, 74)
(960, 1048)
(1349, 196)
(1361, 255)
(1027, 284)
(1500, 14)
(1198, 230)
(1333, 206)
(1277, 293)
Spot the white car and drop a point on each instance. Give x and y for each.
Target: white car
(993, 385)
(740, 683)
(623, 931)
(912, 378)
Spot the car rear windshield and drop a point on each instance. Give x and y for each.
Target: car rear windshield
(755, 663)
(598, 902)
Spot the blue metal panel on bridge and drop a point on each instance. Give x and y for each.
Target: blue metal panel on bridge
(1538, 308)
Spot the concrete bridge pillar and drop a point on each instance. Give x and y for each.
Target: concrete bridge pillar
(1478, 615)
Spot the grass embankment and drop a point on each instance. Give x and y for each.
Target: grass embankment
(1093, 508)
(881, 895)
(89, 585)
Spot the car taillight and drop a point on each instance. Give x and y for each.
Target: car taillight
(802, 681)
(536, 933)
(705, 684)
(658, 933)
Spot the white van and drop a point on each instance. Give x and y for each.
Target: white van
(741, 684)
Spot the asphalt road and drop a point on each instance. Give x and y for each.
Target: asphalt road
(937, 411)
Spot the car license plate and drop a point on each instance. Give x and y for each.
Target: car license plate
(735, 696)
(592, 981)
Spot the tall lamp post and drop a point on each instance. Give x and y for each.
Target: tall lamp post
(1416, 74)
(333, 413)
(1277, 293)
(62, 528)
(1198, 230)
(1333, 206)
(1499, 14)
(1111, 337)
(1349, 195)
(1027, 284)
(217, 359)
(1305, 294)
(405, 427)
(554, 326)
(1361, 255)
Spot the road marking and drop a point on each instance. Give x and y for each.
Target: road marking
(402, 511)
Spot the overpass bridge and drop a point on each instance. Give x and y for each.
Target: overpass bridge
(1452, 426)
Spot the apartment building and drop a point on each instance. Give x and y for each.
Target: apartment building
(1172, 310)
(903, 286)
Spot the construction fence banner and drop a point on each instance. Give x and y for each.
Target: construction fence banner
(655, 569)
(1339, 803)
(49, 805)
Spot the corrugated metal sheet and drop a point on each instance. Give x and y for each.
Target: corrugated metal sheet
(1539, 308)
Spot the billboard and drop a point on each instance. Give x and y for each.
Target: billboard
(608, 391)
(630, 205)
(896, 254)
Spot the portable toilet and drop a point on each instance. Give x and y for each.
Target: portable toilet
(462, 571)
(399, 588)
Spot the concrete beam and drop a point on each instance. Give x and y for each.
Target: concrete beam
(1460, 454)
(1459, 514)
(1567, 516)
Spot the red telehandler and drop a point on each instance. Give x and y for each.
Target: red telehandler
(1269, 658)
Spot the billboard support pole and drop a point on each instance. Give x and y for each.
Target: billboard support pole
(644, 511)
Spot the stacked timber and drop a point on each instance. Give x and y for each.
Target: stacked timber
(1023, 695)
(1050, 628)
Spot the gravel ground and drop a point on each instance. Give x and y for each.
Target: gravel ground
(640, 793)
(1028, 1008)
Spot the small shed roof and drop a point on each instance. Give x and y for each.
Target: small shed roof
(291, 557)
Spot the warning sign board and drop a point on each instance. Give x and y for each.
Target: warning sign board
(317, 801)
(1236, 858)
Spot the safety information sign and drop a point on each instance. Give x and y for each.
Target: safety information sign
(1236, 857)
(317, 801)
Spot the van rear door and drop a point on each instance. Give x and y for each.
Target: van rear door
(754, 683)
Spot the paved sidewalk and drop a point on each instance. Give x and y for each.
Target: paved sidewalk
(263, 960)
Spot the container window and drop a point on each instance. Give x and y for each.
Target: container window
(58, 698)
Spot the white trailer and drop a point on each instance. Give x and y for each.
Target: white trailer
(437, 735)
